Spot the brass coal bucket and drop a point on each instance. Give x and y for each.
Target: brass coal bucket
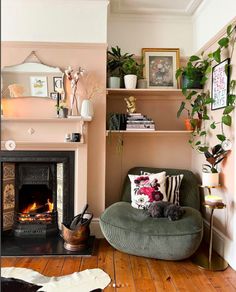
(76, 238)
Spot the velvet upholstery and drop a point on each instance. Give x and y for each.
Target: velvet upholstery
(132, 231)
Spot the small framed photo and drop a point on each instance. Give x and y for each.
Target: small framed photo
(53, 95)
(220, 85)
(160, 66)
(38, 86)
(57, 84)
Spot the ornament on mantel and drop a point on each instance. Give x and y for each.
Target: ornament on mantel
(89, 88)
(74, 77)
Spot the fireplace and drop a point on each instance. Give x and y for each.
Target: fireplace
(38, 191)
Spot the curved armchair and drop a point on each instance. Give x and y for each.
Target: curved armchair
(132, 231)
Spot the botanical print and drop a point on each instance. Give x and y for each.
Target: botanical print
(161, 71)
(146, 191)
(39, 86)
(219, 85)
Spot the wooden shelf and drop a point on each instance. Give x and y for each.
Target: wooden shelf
(45, 120)
(151, 94)
(161, 132)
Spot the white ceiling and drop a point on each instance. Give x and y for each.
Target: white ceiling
(155, 7)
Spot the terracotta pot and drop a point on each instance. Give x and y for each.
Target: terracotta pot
(189, 126)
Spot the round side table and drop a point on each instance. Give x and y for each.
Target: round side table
(210, 260)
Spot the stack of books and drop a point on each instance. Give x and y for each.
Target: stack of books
(139, 122)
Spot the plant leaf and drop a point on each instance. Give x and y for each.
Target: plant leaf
(194, 58)
(229, 30)
(231, 98)
(198, 143)
(221, 137)
(213, 126)
(227, 120)
(217, 56)
(205, 117)
(181, 108)
(178, 73)
(228, 109)
(224, 42)
(203, 149)
(203, 133)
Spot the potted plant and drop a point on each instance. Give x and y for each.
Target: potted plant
(210, 173)
(115, 61)
(194, 73)
(142, 82)
(62, 109)
(130, 69)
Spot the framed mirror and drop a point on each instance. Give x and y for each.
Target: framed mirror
(32, 80)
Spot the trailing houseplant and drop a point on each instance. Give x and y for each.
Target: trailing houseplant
(198, 103)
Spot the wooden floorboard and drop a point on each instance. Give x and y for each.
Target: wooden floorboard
(130, 273)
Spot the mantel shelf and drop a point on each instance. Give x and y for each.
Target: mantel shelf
(46, 120)
(47, 145)
(161, 132)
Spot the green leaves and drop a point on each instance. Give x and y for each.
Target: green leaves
(221, 137)
(181, 108)
(224, 42)
(217, 55)
(178, 73)
(229, 30)
(194, 58)
(227, 120)
(213, 125)
(228, 109)
(203, 149)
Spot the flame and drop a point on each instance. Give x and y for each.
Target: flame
(30, 207)
(50, 205)
(35, 206)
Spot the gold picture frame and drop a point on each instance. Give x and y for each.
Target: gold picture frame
(160, 66)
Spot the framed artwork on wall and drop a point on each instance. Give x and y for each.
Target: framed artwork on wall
(220, 85)
(38, 86)
(57, 84)
(160, 66)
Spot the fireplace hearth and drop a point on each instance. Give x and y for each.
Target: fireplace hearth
(38, 192)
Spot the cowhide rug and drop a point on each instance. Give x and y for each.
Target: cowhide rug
(85, 281)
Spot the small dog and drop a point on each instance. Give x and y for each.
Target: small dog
(166, 210)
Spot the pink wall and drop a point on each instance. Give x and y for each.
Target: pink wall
(92, 57)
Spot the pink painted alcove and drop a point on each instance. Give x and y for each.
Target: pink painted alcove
(92, 57)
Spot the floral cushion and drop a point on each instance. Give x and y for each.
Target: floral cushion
(173, 183)
(146, 189)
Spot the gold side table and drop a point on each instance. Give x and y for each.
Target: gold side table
(210, 260)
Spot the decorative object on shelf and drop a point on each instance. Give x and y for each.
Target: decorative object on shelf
(200, 101)
(160, 67)
(131, 70)
(10, 145)
(116, 122)
(142, 83)
(87, 109)
(210, 174)
(74, 78)
(220, 73)
(130, 104)
(62, 110)
(139, 122)
(67, 138)
(115, 61)
(75, 137)
(57, 83)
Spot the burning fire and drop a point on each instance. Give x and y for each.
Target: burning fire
(31, 208)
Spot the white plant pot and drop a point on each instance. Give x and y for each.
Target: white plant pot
(210, 179)
(114, 82)
(130, 81)
(87, 109)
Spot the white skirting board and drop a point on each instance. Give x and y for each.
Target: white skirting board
(95, 228)
(224, 246)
